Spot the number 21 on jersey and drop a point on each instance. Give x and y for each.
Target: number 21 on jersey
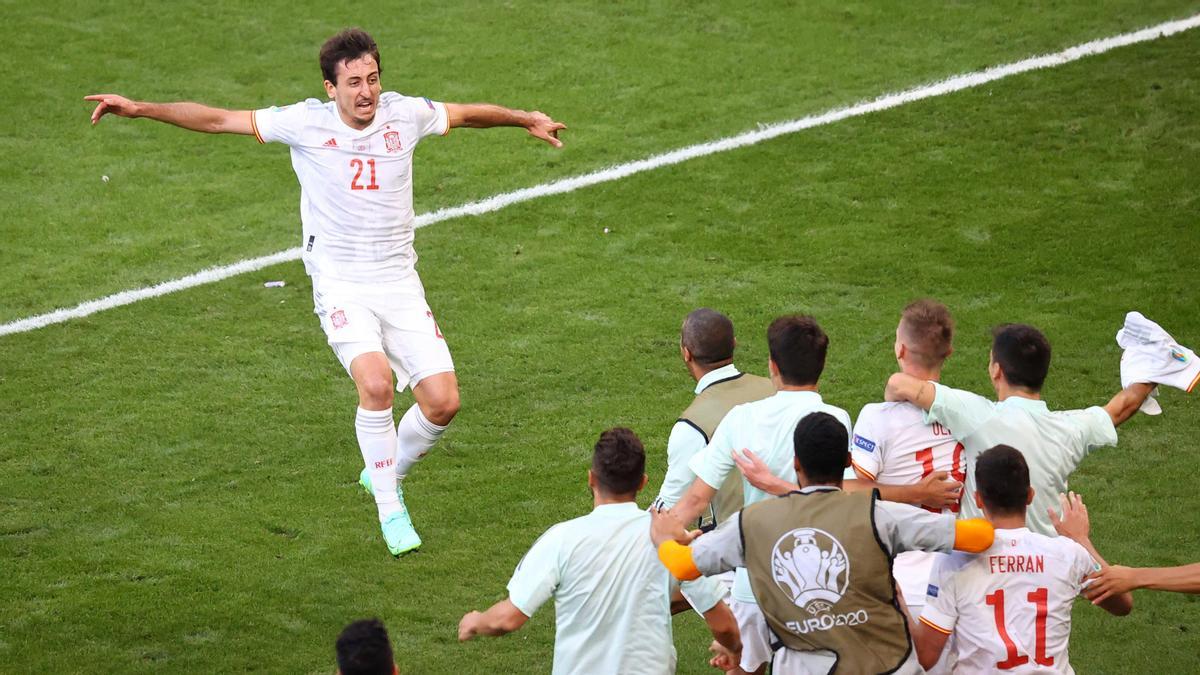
(359, 166)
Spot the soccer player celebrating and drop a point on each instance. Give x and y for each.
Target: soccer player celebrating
(819, 560)
(894, 445)
(353, 158)
(1010, 606)
(1054, 443)
(611, 595)
(797, 348)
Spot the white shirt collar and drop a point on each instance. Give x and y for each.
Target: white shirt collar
(713, 376)
(819, 488)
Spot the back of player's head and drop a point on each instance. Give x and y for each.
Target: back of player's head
(927, 330)
(619, 462)
(363, 648)
(1002, 480)
(348, 45)
(798, 347)
(708, 335)
(822, 447)
(1023, 354)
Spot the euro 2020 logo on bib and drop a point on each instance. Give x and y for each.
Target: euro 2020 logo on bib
(812, 567)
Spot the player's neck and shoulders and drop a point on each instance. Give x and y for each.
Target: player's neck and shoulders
(392, 106)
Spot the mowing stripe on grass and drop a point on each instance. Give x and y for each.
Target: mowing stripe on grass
(764, 133)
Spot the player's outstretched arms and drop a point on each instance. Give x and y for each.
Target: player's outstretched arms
(487, 115)
(501, 618)
(192, 116)
(1127, 401)
(759, 475)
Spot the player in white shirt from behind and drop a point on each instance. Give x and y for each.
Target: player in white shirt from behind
(1009, 607)
(611, 596)
(353, 158)
(894, 445)
(1053, 442)
(798, 349)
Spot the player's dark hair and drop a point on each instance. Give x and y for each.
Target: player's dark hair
(1002, 480)
(798, 347)
(822, 446)
(363, 648)
(1023, 354)
(348, 45)
(708, 335)
(619, 462)
(927, 329)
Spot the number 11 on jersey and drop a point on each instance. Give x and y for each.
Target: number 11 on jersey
(359, 165)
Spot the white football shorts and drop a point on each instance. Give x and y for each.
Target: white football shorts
(390, 317)
(756, 636)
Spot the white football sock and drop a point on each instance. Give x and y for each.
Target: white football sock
(414, 436)
(377, 441)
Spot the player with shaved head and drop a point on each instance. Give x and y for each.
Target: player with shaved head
(353, 157)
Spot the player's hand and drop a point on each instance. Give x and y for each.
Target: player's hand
(541, 126)
(111, 103)
(939, 491)
(664, 526)
(758, 474)
(1073, 523)
(466, 627)
(723, 659)
(1109, 581)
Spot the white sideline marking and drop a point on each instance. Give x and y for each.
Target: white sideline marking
(764, 133)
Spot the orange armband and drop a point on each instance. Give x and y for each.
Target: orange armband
(677, 558)
(974, 535)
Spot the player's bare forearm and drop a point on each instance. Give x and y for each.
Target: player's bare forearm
(187, 115)
(1183, 579)
(905, 387)
(694, 501)
(501, 618)
(929, 642)
(488, 115)
(723, 626)
(1127, 401)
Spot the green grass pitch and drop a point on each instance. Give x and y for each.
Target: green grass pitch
(177, 477)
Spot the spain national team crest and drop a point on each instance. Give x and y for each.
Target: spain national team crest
(338, 319)
(811, 566)
(392, 140)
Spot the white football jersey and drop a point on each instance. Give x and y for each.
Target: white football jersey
(356, 202)
(892, 444)
(1010, 606)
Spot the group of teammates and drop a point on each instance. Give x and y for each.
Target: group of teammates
(353, 158)
(846, 569)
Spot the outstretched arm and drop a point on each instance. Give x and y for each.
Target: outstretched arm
(487, 115)
(501, 618)
(193, 116)
(1127, 401)
(1117, 579)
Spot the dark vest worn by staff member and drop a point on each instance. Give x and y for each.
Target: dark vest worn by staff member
(826, 585)
(705, 413)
